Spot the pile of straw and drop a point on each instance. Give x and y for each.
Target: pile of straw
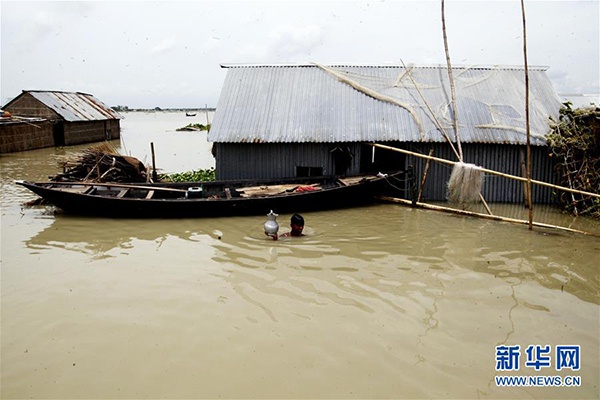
(101, 163)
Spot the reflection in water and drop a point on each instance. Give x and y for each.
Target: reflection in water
(374, 302)
(106, 238)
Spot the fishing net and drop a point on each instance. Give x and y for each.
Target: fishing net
(465, 183)
(490, 100)
(490, 108)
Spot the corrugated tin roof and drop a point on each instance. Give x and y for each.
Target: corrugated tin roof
(75, 107)
(312, 103)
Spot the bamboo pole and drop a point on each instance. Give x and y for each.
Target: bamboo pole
(485, 204)
(474, 214)
(424, 176)
(529, 195)
(487, 171)
(452, 88)
(437, 122)
(444, 133)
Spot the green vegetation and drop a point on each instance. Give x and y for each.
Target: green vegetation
(201, 175)
(195, 127)
(575, 145)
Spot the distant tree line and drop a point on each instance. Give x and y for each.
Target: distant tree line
(120, 108)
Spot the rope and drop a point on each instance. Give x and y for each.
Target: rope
(374, 94)
(413, 186)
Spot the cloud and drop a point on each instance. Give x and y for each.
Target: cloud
(292, 42)
(164, 46)
(105, 46)
(285, 43)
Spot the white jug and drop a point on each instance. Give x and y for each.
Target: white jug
(271, 226)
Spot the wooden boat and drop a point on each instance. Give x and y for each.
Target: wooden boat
(189, 114)
(212, 199)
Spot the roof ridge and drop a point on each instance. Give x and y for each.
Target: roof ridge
(387, 65)
(56, 91)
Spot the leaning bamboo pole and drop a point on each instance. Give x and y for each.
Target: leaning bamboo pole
(437, 122)
(442, 130)
(474, 214)
(487, 171)
(424, 176)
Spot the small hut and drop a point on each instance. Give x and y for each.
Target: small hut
(76, 118)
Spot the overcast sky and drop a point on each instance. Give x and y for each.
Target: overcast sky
(168, 54)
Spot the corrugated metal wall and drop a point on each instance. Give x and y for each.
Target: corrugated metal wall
(277, 160)
(266, 161)
(507, 159)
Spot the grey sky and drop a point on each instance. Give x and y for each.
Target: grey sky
(168, 54)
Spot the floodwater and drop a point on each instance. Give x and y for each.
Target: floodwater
(375, 302)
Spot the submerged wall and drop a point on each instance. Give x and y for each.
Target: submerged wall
(90, 131)
(281, 160)
(21, 136)
(508, 159)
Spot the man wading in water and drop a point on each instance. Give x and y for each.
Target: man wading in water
(297, 225)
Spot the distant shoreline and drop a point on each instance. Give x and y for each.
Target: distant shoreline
(158, 109)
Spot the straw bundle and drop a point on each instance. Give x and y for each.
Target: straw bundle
(465, 183)
(101, 163)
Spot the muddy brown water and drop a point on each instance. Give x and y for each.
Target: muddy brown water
(374, 302)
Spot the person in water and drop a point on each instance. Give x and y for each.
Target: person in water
(296, 225)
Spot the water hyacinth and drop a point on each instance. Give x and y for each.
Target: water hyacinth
(201, 175)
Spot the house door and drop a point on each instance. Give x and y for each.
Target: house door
(342, 159)
(374, 159)
(58, 132)
(107, 130)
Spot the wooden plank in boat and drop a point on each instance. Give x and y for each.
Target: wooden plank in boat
(82, 190)
(353, 180)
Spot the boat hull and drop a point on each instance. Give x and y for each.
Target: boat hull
(181, 205)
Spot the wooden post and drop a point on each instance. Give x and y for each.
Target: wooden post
(523, 160)
(424, 176)
(529, 197)
(207, 122)
(154, 174)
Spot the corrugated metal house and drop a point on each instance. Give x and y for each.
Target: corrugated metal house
(296, 120)
(76, 117)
